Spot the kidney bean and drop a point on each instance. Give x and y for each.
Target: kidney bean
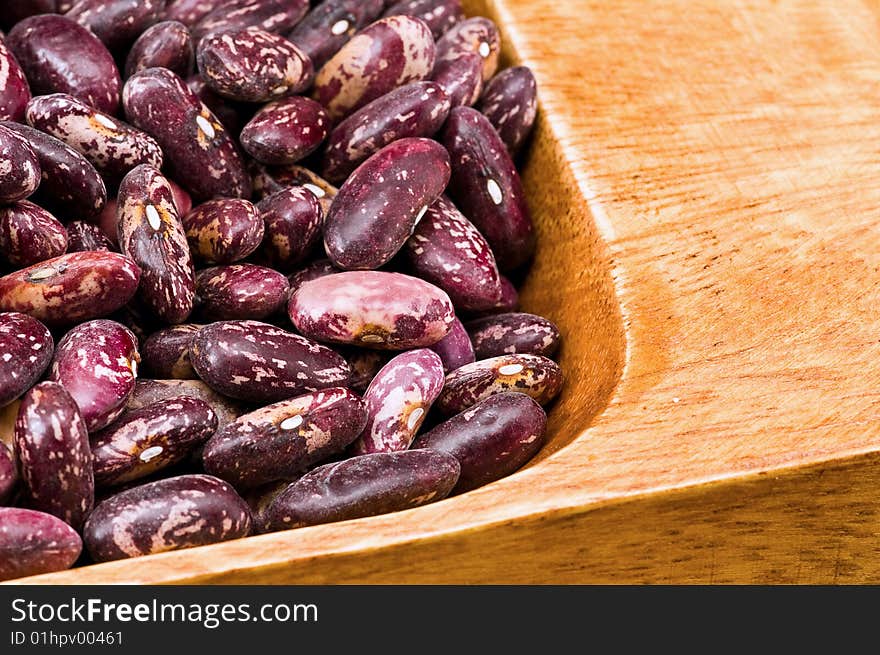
(439, 15)
(26, 348)
(487, 188)
(167, 45)
(269, 180)
(285, 131)
(165, 354)
(478, 35)
(8, 474)
(58, 55)
(313, 271)
(367, 485)
(151, 234)
(413, 110)
(378, 207)
(69, 184)
(83, 237)
(455, 349)
(448, 251)
(19, 167)
(224, 231)
(533, 375)
(258, 362)
(276, 16)
(510, 102)
(190, 12)
(170, 514)
(329, 26)
(97, 363)
(293, 219)
(32, 543)
(150, 439)
(147, 392)
(389, 53)
(199, 153)
(29, 234)
(74, 287)
(110, 145)
(282, 439)
(259, 498)
(513, 333)
(14, 89)
(52, 448)
(375, 309)
(490, 440)
(117, 23)
(252, 65)
(398, 399)
(232, 115)
(461, 78)
(240, 291)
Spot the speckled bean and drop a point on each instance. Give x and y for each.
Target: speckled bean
(252, 65)
(378, 207)
(398, 399)
(260, 363)
(8, 474)
(510, 102)
(329, 26)
(515, 332)
(97, 363)
(147, 392)
(285, 131)
(223, 231)
(167, 45)
(14, 89)
(199, 153)
(240, 291)
(19, 167)
(282, 439)
(52, 448)
(117, 23)
(490, 440)
(367, 485)
(455, 349)
(151, 234)
(461, 78)
(190, 12)
(276, 16)
(26, 348)
(536, 376)
(33, 542)
(448, 251)
(389, 53)
(486, 186)
(29, 234)
(313, 271)
(439, 15)
(293, 219)
(232, 115)
(476, 34)
(69, 185)
(413, 110)
(59, 55)
(272, 179)
(375, 309)
(170, 514)
(83, 237)
(150, 439)
(112, 147)
(165, 354)
(71, 288)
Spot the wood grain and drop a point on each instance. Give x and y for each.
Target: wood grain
(707, 189)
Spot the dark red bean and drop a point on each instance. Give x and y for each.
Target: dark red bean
(59, 55)
(379, 205)
(83, 237)
(240, 291)
(167, 45)
(26, 349)
(29, 234)
(285, 131)
(513, 333)
(272, 179)
(479, 35)
(19, 167)
(293, 220)
(33, 542)
(117, 23)
(165, 354)
(190, 12)
(14, 89)
(439, 15)
(276, 16)
(510, 102)
(455, 349)
(329, 26)
(223, 231)
(461, 78)
(52, 447)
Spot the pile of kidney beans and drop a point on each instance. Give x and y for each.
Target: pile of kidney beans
(253, 264)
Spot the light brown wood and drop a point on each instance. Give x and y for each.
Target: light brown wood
(706, 183)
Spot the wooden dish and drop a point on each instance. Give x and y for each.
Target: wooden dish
(706, 186)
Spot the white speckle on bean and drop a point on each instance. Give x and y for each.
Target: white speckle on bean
(414, 417)
(153, 217)
(510, 369)
(339, 27)
(150, 453)
(316, 190)
(484, 50)
(494, 191)
(205, 126)
(292, 423)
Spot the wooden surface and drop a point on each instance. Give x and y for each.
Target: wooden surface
(706, 182)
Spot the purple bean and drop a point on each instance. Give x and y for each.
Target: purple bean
(26, 348)
(240, 291)
(285, 131)
(224, 231)
(84, 237)
(117, 23)
(329, 26)
(19, 166)
(461, 78)
(455, 349)
(293, 219)
(511, 333)
(165, 354)
(276, 16)
(510, 102)
(33, 542)
(29, 234)
(167, 45)
(439, 15)
(479, 35)
(14, 89)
